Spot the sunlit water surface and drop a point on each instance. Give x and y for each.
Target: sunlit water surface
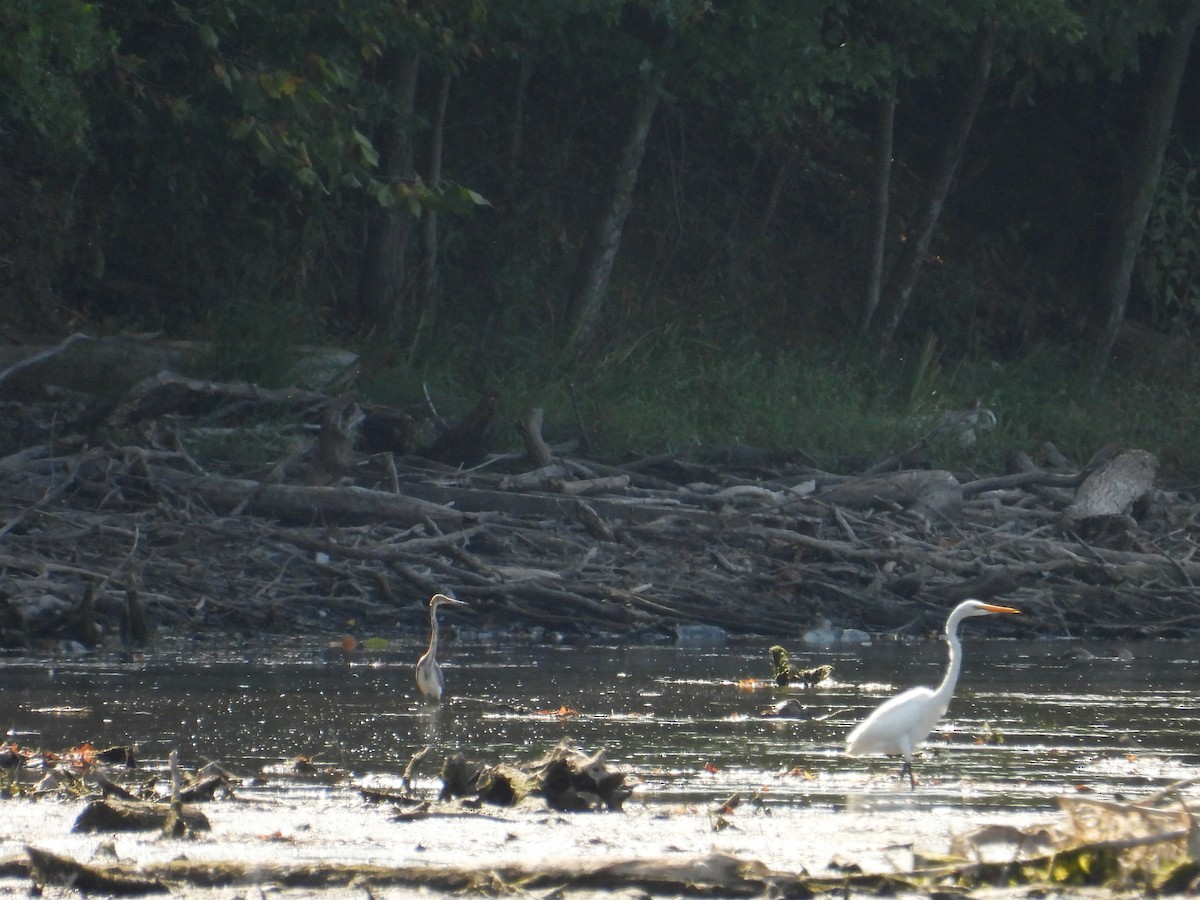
(1031, 721)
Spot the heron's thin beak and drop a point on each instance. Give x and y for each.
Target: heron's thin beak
(1000, 609)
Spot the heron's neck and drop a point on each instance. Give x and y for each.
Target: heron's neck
(433, 631)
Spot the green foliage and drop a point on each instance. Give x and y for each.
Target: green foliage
(256, 340)
(695, 391)
(50, 51)
(1170, 262)
(210, 168)
(261, 444)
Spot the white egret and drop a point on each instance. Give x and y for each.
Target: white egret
(901, 723)
(429, 673)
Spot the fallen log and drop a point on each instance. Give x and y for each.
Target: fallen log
(51, 870)
(169, 392)
(933, 490)
(306, 503)
(615, 510)
(715, 874)
(121, 815)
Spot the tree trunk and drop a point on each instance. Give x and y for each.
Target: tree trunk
(383, 275)
(776, 195)
(590, 283)
(427, 281)
(894, 302)
(516, 139)
(1141, 179)
(885, 131)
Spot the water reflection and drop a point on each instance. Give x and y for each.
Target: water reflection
(1028, 719)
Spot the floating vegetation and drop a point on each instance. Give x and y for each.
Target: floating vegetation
(784, 673)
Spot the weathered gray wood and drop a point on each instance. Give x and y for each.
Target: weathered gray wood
(120, 815)
(308, 503)
(614, 510)
(531, 434)
(1115, 486)
(766, 547)
(169, 392)
(930, 489)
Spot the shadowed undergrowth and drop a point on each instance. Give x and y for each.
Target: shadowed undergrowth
(692, 393)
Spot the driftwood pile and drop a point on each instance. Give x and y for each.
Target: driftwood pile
(189, 505)
(1150, 845)
(566, 778)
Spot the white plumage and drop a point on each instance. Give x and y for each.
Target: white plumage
(904, 721)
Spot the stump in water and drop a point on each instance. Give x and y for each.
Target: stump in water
(115, 815)
(500, 785)
(571, 780)
(787, 709)
(566, 778)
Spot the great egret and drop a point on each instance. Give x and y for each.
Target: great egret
(429, 673)
(902, 722)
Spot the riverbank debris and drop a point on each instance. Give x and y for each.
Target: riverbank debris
(566, 778)
(109, 816)
(787, 709)
(713, 874)
(70, 773)
(203, 467)
(51, 870)
(1147, 845)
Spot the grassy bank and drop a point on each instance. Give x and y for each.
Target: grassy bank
(690, 393)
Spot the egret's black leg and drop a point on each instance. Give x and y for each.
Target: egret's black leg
(907, 767)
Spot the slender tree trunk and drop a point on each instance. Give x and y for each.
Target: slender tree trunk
(1138, 187)
(427, 283)
(590, 284)
(383, 276)
(521, 96)
(877, 240)
(896, 296)
(771, 207)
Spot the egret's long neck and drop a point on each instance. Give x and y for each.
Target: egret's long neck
(945, 690)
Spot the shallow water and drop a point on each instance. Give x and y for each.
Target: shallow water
(1030, 722)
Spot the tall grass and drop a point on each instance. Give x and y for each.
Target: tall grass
(687, 392)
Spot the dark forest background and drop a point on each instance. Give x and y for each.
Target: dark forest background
(811, 224)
